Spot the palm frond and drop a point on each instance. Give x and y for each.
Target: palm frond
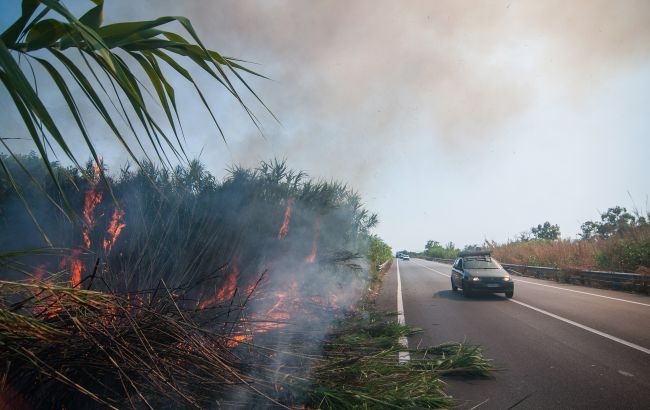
(49, 25)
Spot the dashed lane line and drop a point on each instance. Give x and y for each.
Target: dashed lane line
(436, 271)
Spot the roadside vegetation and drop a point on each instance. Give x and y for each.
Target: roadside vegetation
(171, 284)
(380, 256)
(360, 367)
(434, 249)
(619, 241)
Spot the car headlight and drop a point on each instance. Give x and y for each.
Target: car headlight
(475, 278)
(507, 279)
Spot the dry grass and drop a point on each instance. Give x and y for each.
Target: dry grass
(63, 345)
(566, 253)
(607, 254)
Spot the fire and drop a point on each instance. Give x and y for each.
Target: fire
(39, 272)
(235, 340)
(284, 229)
(92, 199)
(74, 265)
(227, 291)
(75, 268)
(114, 229)
(314, 246)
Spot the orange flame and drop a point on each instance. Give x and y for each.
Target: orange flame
(74, 266)
(227, 291)
(237, 339)
(284, 229)
(314, 246)
(114, 229)
(92, 199)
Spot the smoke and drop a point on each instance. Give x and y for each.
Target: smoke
(352, 80)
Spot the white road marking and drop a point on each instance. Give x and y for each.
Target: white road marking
(436, 271)
(565, 320)
(403, 357)
(587, 328)
(579, 291)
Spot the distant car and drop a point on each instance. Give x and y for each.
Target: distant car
(476, 272)
(406, 257)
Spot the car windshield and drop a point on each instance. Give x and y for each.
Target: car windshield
(480, 262)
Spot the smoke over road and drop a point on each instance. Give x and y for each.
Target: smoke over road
(353, 82)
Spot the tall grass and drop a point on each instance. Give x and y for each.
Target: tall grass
(619, 253)
(200, 302)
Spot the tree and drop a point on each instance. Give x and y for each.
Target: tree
(616, 221)
(431, 244)
(546, 231)
(434, 249)
(589, 230)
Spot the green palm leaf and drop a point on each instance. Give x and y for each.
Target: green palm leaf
(107, 80)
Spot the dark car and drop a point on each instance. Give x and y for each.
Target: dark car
(476, 272)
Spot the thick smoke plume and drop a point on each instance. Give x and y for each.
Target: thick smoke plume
(360, 76)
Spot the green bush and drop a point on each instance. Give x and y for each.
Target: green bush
(625, 256)
(378, 253)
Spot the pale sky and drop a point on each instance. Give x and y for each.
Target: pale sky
(455, 120)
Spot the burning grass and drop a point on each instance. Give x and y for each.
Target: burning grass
(68, 345)
(213, 294)
(79, 348)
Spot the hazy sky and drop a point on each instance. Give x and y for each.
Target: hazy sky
(455, 120)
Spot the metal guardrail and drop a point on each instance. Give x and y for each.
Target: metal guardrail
(615, 280)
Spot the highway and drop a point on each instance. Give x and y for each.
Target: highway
(557, 346)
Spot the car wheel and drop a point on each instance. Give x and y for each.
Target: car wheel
(510, 294)
(453, 286)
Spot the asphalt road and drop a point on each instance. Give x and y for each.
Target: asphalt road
(559, 346)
